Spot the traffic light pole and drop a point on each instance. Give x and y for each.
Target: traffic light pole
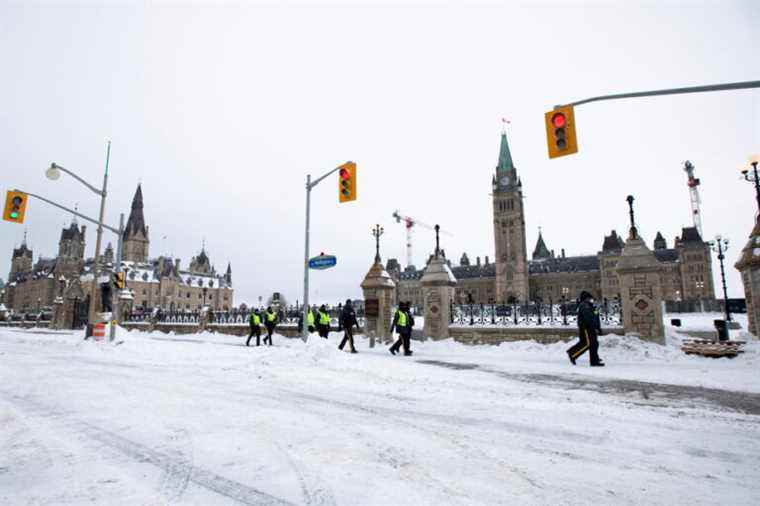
(305, 310)
(671, 91)
(119, 248)
(116, 315)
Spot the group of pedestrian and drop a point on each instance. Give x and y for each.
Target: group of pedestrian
(589, 327)
(319, 320)
(269, 318)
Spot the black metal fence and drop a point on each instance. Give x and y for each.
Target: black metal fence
(290, 315)
(531, 314)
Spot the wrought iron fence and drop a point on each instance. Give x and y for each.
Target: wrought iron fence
(531, 314)
(286, 316)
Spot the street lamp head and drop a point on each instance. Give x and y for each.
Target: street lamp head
(53, 173)
(745, 172)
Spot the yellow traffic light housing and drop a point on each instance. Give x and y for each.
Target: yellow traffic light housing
(347, 182)
(15, 207)
(561, 139)
(120, 280)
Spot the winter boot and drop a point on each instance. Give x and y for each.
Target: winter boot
(570, 356)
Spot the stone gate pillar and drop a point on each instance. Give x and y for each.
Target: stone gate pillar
(640, 288)
(378, 289)
(438, 284)
(749, 267)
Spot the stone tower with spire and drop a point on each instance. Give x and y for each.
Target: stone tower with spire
(228, 274)
(21, 261)
(71, 243)
(509, 230)
(136, 240)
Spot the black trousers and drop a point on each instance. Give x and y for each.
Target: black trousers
(255, 331)
(268, 338)
(588, 341)
(324, 330)
(405, 340)
(348, 337)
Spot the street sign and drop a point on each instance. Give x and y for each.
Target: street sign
(322, 262)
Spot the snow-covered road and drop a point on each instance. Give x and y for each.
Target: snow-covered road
(204, 420)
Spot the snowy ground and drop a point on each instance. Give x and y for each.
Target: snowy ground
(200, 419)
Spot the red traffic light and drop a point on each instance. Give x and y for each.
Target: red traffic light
(559, 120)
(344, 174)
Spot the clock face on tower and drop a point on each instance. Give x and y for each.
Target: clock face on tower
(505, 181)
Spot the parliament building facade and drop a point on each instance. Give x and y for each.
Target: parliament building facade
(512, 277)
(154, 283)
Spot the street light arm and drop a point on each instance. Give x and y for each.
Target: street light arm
(88, 185)
(318, 180)
(76, 213)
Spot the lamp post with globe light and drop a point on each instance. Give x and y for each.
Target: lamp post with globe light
(720, 245)
(53, 173)
(754, 178)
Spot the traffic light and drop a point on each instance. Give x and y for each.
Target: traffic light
(120, 280)
(560, 131)
(15, 207)
(347, 182)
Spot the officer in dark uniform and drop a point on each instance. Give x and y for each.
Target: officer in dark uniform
(589, 328)
(348, 320)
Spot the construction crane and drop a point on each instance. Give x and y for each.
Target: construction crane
(410, 223)
(693, 184)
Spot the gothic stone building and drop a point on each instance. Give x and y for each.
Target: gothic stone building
(156, 282)
(686, 273)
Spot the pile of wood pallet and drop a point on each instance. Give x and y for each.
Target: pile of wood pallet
(714, 349)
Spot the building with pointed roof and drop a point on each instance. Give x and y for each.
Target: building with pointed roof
(136, 239)
(686, 268)
(158, 282)
(541, 252)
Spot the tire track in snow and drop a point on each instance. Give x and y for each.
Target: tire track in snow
(236, 491)
(176, 476)
(315, 491)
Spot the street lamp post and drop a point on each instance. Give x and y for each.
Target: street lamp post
(754, 178)
(53, 173)
(720, 245)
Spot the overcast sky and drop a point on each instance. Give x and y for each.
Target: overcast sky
(221, 113)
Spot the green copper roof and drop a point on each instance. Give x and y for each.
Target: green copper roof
(505, 157)
(541, 250)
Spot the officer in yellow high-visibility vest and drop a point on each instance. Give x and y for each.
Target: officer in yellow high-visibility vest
(403, 323)
(255, 323)
(270, 322)
(323, 324)
(310, 320)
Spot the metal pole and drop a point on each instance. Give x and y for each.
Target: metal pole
(672, 91)
(117, 269)
(757, 187)
(305, 330)
(96, 266)
(721, 256)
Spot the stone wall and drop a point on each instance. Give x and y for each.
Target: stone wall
(496, 335)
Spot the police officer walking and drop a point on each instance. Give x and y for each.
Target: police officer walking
(323, 323)
(255, 323)
(403, 323)
(310, 320)
(348, 320)
(589, 328)
(270, 322)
